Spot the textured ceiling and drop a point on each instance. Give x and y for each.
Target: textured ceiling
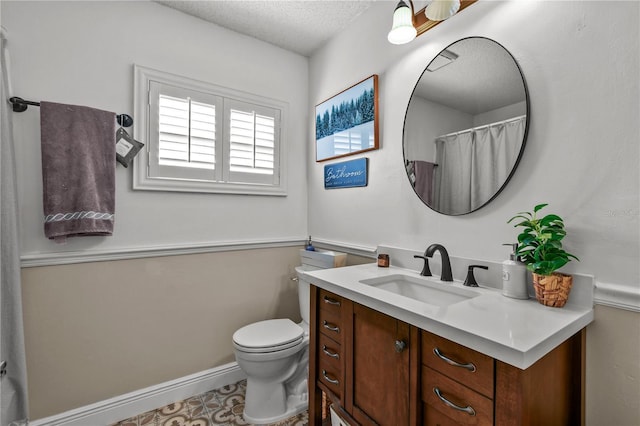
(300, 26)
(483, 78)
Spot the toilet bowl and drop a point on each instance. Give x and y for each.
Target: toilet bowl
(274, 354)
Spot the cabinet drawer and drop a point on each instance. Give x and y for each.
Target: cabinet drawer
(330, 302)
(331, 352)
(330, 324)
(458, 362)
(331, 377)
(455, 405)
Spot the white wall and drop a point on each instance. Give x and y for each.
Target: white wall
(426, 120)
(97, 330)
(83, 53)
(581, 63)
(499, 114)
(582, 151)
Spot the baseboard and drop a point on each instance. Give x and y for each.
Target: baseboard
(128, 405)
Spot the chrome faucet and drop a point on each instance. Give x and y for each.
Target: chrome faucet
(446, 274)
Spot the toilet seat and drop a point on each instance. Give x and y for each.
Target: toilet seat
(268, 336)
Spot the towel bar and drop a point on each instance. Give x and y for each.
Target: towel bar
(21, 105)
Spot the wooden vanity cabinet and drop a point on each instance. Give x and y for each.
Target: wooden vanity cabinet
(376, 369)
(364, 368)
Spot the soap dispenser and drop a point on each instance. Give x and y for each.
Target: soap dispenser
(309, 246)
(514, 276)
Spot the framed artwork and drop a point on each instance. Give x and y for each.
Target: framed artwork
(347, 123)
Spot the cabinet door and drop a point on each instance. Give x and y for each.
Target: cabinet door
(378, 382)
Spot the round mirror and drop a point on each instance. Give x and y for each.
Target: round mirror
(465, 126)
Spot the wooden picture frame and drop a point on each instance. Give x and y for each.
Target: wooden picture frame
(347, 123)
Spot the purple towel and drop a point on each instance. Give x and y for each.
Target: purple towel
(78, 170)
(424, 180)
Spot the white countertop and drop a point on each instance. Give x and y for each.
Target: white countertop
(517, 332)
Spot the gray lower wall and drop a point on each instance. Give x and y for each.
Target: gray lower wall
(97, 330)
(102, 329)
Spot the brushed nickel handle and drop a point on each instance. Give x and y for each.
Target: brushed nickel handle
(330, 353)
(331, 301)
(468, 409)
(329, 379)
(330, 326)
(400, 345)
(469, 366)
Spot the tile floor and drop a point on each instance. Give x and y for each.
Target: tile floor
(219, 407)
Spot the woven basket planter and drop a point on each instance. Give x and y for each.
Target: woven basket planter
(552, 290)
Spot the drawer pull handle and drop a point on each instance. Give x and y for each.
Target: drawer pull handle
(331, 327)
(329, 353)
(469, 366)
(468, 409)
(331, 301)
(329, 379)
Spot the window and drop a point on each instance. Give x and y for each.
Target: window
(204, 138)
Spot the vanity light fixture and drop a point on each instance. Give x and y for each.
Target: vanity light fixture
(439, 10)
(408, 24)
(402, 29)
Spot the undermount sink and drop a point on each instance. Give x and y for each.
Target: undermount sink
(422, 289)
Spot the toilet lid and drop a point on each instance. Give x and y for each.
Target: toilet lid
(269, 334)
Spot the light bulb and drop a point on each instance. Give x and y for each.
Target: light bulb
(402, 30)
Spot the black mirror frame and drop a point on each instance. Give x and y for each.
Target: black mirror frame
(524, 137)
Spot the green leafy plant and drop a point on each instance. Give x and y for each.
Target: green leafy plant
(539, 243)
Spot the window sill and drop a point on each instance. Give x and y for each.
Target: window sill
(145, 183)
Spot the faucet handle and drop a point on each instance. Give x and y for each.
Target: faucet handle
(426, 272)
(470, 281)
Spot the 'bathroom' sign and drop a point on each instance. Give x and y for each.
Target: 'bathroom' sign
(347, 174)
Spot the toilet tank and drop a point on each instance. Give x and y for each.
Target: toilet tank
(322, 259)
(314, 260)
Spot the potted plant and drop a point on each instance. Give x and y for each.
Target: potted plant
(540, 249)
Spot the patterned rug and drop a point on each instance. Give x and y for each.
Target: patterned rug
(220, 407)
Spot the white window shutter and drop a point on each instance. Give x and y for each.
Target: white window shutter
(183, 133)
(187, 133)
(252, 142)
(252, 132)
(205, 138)
(173, 136)
(203, 134)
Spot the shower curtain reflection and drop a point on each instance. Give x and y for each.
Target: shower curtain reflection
(474, 164)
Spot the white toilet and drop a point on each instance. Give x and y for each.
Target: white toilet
(274, 354)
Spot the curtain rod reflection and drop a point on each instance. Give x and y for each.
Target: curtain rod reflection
(497, 123)
(406, 162)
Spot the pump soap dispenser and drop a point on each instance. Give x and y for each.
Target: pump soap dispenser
(514, 276)
(309, 246)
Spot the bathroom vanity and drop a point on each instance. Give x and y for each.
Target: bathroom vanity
(386, 356)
